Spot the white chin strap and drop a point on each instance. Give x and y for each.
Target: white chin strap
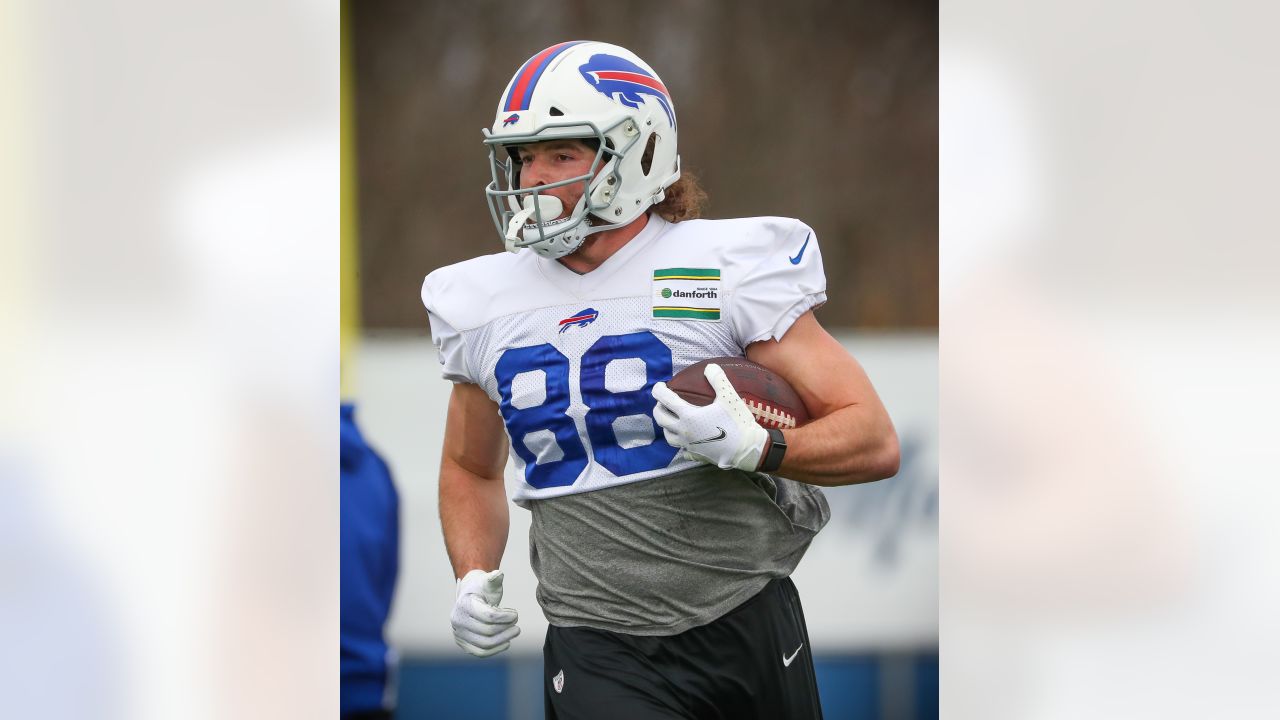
(548, 206)
(553, 238)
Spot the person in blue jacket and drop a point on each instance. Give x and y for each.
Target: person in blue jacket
(370, 560)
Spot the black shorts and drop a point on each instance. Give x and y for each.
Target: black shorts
(753, 662)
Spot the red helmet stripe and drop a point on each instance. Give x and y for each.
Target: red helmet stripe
(637, 78)
(527, 77)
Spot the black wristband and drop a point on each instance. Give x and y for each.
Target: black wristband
(777, 447)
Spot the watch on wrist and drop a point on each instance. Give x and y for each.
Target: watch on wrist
(774, 449)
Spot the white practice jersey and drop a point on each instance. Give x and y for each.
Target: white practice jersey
(571, 359)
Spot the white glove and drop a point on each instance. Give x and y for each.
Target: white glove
(723, 433)
(479, 626)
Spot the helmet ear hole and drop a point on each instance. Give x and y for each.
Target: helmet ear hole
(555, 111)
(646, 160)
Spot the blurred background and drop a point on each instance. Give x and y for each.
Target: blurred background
(823, 111)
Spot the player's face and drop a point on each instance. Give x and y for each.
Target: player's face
(552, 161)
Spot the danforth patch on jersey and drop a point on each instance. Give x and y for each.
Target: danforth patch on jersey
(687, 293)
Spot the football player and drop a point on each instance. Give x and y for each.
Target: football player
(663, 551)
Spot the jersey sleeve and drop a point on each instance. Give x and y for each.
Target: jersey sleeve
(786, 282)
(449, 342)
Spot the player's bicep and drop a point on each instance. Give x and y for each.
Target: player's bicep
(825, 375)
(474, 437)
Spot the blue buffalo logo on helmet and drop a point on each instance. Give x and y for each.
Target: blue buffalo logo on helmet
(581, 319)
(625, 82)
(511, 120)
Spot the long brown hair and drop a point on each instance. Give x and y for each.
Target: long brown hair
(684, 199)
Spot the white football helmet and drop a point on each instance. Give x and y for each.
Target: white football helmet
(594, 92)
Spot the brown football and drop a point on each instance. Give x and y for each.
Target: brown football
(773, 402)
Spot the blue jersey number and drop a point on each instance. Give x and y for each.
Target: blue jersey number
(604, 407)
(550, 415)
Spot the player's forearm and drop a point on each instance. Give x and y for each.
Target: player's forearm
(473, 514)
(854, 444)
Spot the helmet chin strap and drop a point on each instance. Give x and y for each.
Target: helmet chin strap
(547, 206)
(520, 232)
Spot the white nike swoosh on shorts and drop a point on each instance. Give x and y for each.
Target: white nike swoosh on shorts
(786, 661)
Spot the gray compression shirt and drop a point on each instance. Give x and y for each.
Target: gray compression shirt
(658, 557)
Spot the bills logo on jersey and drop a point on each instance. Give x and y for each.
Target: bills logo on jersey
(625, 82)
(581, 319)
(511, 120)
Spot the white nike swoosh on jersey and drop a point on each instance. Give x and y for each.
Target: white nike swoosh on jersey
(786, 661)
